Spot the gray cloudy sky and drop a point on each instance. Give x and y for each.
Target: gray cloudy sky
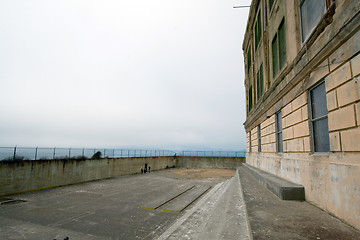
(122, 73)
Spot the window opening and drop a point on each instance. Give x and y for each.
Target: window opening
(250, 98)
(260, 82)
(311, 12)
(259, 138)
(319, 119)
(258, 30)
(249, 60)
(250, 145)
(278, 47)
(271, 3)
(279, 137)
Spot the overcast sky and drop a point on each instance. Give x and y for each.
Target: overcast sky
(122, 73)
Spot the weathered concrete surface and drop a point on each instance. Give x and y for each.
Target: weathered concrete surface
(109, 209)
(282, 188)
(209, 162)
(104, 209)
(25, 176)
(272, 218)
(33, 175)
(220, 214)
(331, 181)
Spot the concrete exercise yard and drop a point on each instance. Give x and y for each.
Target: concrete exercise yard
(171, 204)
(128, 207)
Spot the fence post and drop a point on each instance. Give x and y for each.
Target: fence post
(120, 153)
(54, 153)
(83, 152)
(36, 149)
(69, 152)
(113, 153)
(14, 153)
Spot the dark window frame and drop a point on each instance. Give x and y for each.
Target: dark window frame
(278, 49)
(250, 96)
(250, 145)
(249, 62)
(260, 82)
(259, 138)
(271, 4)
(313, 120)
(304, 37)
(258, 29)
(279, 132)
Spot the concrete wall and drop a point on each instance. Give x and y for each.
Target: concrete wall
(331, 181)
(16, 177)
(209, 162)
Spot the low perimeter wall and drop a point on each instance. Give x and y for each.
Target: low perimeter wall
(209, 162)
(23, 176)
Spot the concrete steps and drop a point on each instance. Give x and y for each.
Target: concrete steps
(282, 188)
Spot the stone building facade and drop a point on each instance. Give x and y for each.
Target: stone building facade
(302, 64)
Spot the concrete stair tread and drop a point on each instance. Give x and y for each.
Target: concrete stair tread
(282, 188)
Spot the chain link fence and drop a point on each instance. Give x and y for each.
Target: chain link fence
(31, 153)
(212, 153)
(24, 153)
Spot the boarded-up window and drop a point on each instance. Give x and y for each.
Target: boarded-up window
(311, 14)
(319, 119)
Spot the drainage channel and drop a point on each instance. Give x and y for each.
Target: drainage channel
(180, 201)
(184, 201)
(4, 201)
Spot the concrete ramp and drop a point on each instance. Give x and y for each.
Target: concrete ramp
(219, 214)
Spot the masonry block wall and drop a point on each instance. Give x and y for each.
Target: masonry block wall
(295, 122)
(330, 57)
(343, 96)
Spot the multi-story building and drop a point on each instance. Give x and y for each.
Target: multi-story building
(302, 84)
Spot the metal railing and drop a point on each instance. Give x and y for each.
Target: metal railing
(212, 153)
(37, 153)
